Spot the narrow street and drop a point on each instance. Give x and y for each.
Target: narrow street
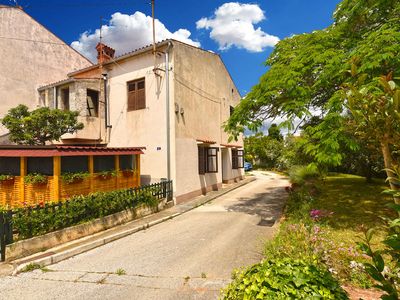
(189, 257)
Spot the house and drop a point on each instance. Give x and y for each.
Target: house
(172, 100)
(30, 57)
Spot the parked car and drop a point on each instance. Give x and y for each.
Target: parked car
(248, 166)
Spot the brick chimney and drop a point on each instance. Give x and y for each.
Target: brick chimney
(104, 53)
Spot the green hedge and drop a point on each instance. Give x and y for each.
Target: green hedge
(284, 279)
(29, 222)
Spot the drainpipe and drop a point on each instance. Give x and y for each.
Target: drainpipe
(55, 97)
(106, 107)
(167, 110)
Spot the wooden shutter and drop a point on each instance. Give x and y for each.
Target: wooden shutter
(136, 95)
(202, 160)
(131, 96)
(234, 159)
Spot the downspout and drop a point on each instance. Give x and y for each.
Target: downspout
(55, 97)
(106, 108)
(168, 110)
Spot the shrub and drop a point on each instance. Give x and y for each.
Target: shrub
(107, 174)
(6, 177)
(284, 279)
(300, 174)
(69, 178)
(29, 222)
(385, 263)
(35, 178)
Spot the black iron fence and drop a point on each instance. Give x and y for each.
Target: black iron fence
(23, 223)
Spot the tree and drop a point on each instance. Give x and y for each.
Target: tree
(263, 150)
(40, 125)
(275, 133)
(348, 71)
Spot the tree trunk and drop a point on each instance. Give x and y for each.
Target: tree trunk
(387, 157)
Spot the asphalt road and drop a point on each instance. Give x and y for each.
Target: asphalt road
(189, 257)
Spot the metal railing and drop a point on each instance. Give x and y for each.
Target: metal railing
(127, 199)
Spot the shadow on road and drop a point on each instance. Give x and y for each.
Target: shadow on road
(267, 205)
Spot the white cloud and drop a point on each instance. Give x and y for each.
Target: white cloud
(125, 33)
(233, 25)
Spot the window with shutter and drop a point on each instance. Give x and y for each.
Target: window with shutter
(136, 94)
(234, 159)
(212, 160)
(237, 159)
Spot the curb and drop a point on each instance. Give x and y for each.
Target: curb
(55, 258)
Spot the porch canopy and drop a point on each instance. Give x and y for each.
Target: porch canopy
(63, 150)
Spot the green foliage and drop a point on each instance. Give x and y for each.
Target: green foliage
(35, 178)
(29, 222)
(284, 278)
(263, 150)
(348, 72)
(5, 177)
(385, 263)
(31, 267)
(300, 174)
(69, 178)
(275, 133)
(40, 125)
(120, 272)
(107, 174)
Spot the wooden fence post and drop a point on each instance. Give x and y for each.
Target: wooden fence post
(137, 171)
(22, 174)
(2, 238)
(91, 171)
(116, 158)
(56, 177)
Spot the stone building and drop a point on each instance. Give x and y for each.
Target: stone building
(173, 102)
(30, 56)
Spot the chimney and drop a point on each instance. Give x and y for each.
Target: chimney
(104, 53)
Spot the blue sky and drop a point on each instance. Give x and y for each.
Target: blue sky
(279, 19)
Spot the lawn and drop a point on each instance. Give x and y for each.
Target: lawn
(348, 206)
(353, 201)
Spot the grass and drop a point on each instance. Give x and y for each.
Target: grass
(120, 272)
(353, 201)
(332, 240)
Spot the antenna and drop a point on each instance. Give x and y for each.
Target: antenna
(101, 44)
(154, 35)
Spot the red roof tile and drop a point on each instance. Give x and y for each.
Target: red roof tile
(49, 151)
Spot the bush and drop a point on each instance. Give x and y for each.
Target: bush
(70, 178)
(300, 174)
(284, 279)
(35, 178)
(29, 222)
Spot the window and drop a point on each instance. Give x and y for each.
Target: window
(74, 164)
(208, 160)
(136, 95)
(10, 165)
(92, 103)
(65, 98)
(231, 110)
(237, 159)
(103, 163)
(41, 165)
(127, 162)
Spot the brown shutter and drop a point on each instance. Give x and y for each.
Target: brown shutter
(234, 159)
(202, 160)
(141, 96)
(136, 95)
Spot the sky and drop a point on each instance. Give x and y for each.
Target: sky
(243, 33)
